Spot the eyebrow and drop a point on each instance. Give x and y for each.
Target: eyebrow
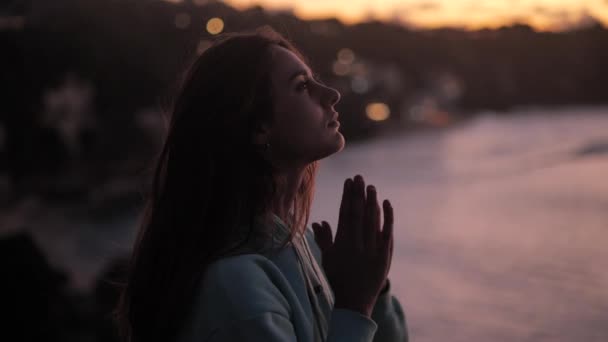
(303, 73)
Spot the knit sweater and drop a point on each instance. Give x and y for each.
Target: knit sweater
(271, 294)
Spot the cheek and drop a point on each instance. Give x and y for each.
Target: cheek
(300, 127)
(297, 138)
(299, 133)
(299, 114)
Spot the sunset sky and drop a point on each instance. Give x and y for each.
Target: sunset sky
(472, 14)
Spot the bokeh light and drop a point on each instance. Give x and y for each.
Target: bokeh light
(377, 111)
(359, 84)
(215, 25)
(346, 56)
(340, 69)
(359, 69)
(428, 111)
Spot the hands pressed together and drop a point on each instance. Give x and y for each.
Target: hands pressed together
(357, 261)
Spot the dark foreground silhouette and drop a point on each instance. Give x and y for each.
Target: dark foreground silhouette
(38, 301)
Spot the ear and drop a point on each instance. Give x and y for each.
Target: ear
(261, 134)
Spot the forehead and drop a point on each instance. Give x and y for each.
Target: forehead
(285, 63)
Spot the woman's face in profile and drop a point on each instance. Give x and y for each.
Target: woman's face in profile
(304, 127)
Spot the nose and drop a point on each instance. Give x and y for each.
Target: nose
(332, 96)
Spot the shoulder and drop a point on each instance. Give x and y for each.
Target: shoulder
(237, 289)
(245, 285)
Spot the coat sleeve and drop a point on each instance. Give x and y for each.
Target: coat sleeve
(246, 299)
(242, 298)
(387, 323)
(350, 326)
(346, 326)
(390, 319)
(265, 327)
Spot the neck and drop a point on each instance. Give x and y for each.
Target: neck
(286, 192)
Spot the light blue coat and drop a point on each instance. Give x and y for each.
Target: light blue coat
(283, 295)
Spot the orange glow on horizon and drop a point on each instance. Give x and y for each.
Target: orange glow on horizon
(541, 14)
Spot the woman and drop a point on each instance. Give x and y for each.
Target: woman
(223, 253)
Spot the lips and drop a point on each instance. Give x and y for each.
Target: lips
(334, 121)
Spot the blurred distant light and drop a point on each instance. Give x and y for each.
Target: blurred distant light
(346, 56)
(424, 109)
(182, 20)
(200, 2)
(359, 84)
(175, 1)
(428, 111)
(451, 88)
(439, 118)
(202, 46)
(340, 69)
(359, 69)
(215, 25)
(377, 111)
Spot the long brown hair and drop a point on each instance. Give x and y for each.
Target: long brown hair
(210, 179)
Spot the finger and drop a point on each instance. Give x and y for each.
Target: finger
(387, 252)
(344, 219)
(390, 254)
(328, 232)
(358, 208)
(372, 218)
(387, 230)
(322, 235)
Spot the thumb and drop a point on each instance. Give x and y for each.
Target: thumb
(323, 235)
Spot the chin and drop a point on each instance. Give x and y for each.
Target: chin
(341, 142)
(335, 145)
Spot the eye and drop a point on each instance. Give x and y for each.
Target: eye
(303, 85)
